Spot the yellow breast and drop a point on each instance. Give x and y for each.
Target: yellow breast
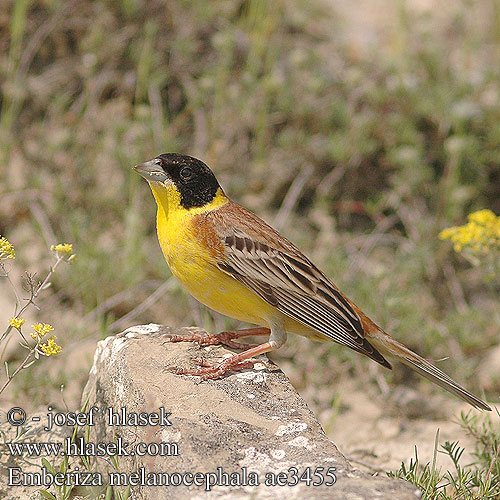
(193, 265)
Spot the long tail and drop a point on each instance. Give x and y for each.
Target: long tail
(393, 349)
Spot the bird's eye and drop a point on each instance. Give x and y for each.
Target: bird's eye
(186, 173)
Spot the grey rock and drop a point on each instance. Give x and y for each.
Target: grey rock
(13, 466)
(252, 421)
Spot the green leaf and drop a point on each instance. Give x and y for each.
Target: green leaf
(6, 333)
(48, 495)
(127, 493)
(48, 466)
(64, 464)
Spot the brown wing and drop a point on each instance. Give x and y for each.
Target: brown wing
(271, 266)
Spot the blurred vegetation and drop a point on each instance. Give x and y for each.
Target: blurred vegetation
(360, 154)
(473, 481)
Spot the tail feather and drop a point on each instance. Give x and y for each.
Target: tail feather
(393, 349)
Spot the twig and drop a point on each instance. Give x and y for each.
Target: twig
(154, 297)
(18, 369)
(34, 294)
(45, 281)
(495, 458)
(37, 39)
(157, 114)
(332, 178)
(455, 288)
(364, 464)
(115, 300)
(200, 120)
(42, 219)
(195, 308)
(370, 242)
(6, 275)
(291, 196)
(23, 194)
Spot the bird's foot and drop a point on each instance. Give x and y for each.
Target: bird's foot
(225, 338)
(208, 371)
(236, 362)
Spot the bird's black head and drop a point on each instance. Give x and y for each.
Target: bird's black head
(196, 183)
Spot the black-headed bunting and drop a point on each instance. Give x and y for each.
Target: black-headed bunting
(233, 262)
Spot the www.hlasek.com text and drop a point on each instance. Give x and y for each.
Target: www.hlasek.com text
(79, 447)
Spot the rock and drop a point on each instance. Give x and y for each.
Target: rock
(247, 427)
(13, 466)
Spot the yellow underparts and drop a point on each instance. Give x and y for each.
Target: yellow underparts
(196, 268)
(193, 265)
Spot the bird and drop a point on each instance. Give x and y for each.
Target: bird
(236, 264)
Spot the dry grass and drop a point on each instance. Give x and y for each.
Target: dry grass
(361, 146)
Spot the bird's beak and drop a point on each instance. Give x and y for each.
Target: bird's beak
(151, 171)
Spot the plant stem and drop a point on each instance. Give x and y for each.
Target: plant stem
(18, 369)
(34, 293)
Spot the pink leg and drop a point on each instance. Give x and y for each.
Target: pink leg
(225, 338)
(236, 362)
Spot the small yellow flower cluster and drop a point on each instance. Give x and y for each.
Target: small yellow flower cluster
(480, 235)
(62, 248)
(50, 348)
(7, 251)
(16, 322)
(41, 329)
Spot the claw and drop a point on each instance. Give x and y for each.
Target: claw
(210, 371)
(225, 338)
(236, 362)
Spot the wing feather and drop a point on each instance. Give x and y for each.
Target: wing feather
(280, 274)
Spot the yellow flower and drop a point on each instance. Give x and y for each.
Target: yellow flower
(41, 329)
(483, 217)
(7, 251)
(62, 248)
(480, 235)
(64, 251)
(50, 348)
(16, 322)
